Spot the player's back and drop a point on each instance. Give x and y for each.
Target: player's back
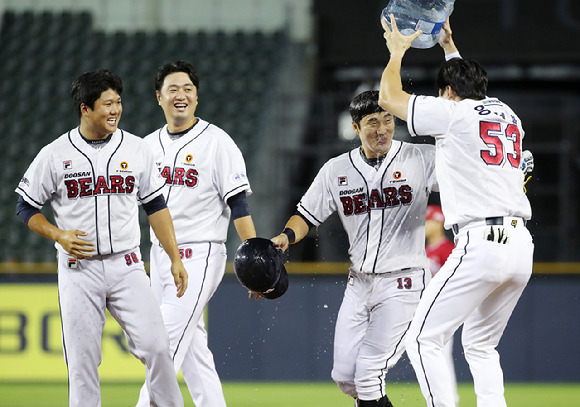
(478, 162)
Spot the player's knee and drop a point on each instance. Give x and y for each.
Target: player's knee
(347, 388)
(475, 351)
(150, 348)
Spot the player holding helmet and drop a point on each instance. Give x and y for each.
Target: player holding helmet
(380, 192)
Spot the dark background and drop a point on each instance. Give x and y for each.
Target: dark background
(491, 31)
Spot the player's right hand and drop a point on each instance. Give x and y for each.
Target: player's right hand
(253, 294)
(180, 277)
(397, 42)
(76, 247)
(281, 241)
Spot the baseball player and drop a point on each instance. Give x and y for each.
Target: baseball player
(205, 184)
(94, 177)
(438, 248)
(380, 192)
(478, 153)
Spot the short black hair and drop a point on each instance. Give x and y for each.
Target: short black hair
(89, 86)
(467, 78)
(363, 104)
(173, 67)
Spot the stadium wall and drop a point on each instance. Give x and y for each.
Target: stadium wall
(288, 339)
(291, 338)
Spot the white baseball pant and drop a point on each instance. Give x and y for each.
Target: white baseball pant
(372, 322)
(478, 286)
(116, 282)
(183, 317)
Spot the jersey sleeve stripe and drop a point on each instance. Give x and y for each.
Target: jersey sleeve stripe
(152, 195)
(236, 190)
(28, 198)
(309, 215)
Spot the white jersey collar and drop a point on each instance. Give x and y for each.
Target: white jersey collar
(395, 146)
(195, 131)
(79, 142)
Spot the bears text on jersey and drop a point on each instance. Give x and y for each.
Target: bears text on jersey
(180, 176)
(87, 187)
(361, 203)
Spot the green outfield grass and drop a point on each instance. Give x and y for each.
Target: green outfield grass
(289, 395)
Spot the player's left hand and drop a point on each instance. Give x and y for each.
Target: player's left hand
(527, 166)
(180, 277)
(397, 42)
(527, 162)
(446, 38)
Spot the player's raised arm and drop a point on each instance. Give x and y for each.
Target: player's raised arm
(392, 97)
(446, 42)
(162, 225)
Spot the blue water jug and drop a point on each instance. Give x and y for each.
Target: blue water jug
(414, 15)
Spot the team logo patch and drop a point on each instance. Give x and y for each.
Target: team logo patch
(25, 181)
(124, 165)
(188, 158)
(67, 165)
(514, 223)
(342, 181)
(73, 264)
(397, 175)
(239, 177)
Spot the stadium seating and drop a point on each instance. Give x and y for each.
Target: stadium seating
(42, 53)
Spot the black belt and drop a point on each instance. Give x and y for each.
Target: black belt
(494, 220)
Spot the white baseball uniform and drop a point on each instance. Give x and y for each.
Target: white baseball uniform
(478, 150)
(98, 190)
(382, 209)
(202, 169)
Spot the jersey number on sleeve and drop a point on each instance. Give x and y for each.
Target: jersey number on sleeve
(489, 133)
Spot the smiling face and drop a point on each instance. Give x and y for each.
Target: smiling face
(178, 99)
(103, 119)
(376, 133)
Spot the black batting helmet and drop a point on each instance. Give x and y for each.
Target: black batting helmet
(259, 266)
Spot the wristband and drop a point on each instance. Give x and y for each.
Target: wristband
(291, 235)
